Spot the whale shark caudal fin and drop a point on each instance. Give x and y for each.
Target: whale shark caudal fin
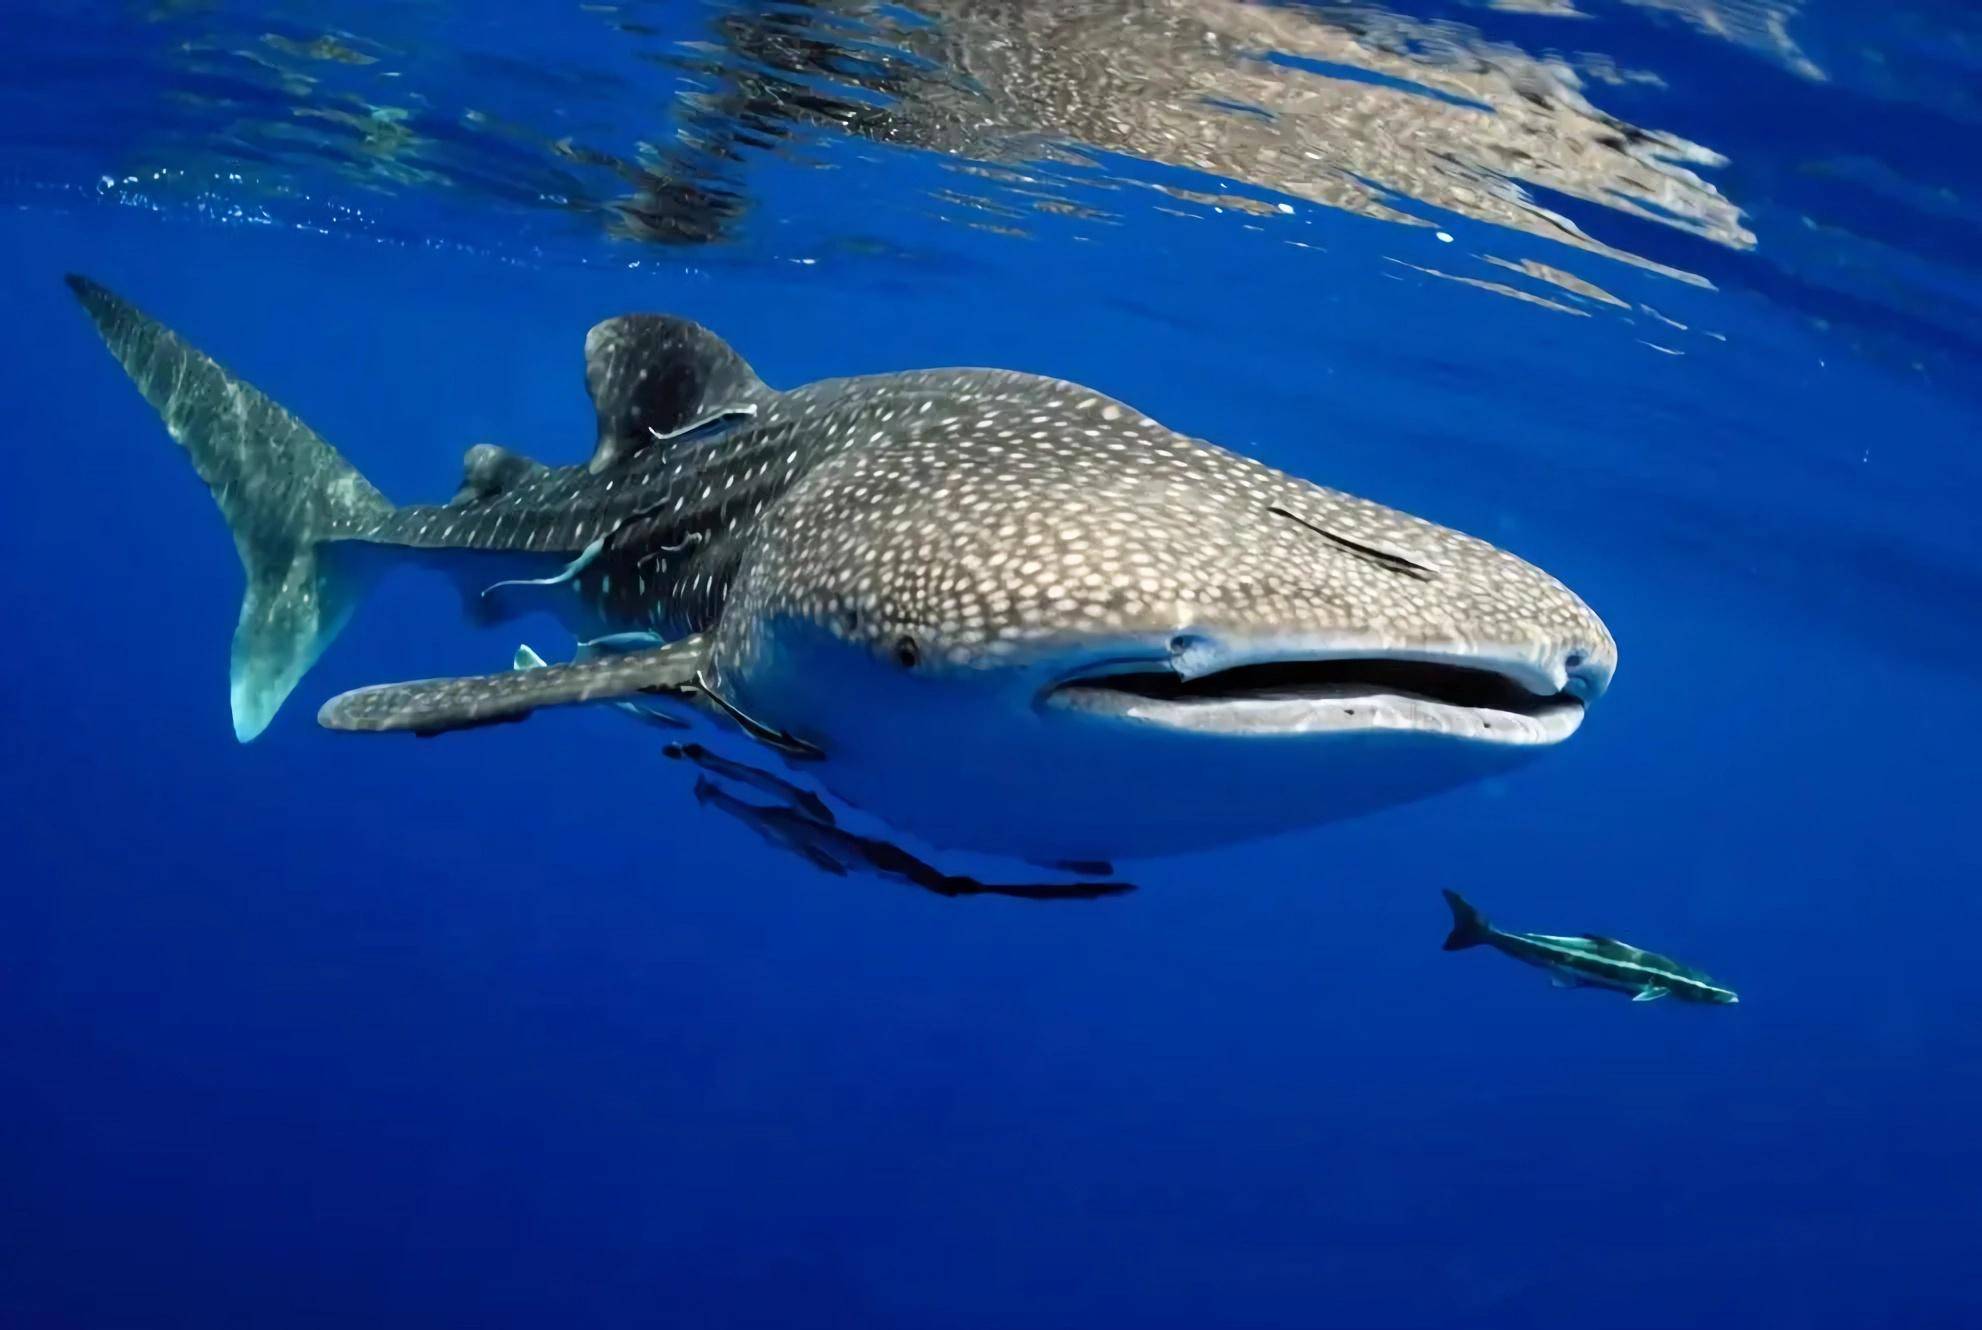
(1468, 928)
(284, 492)
(435, 706)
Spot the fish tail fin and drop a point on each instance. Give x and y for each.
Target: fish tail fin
(286, 494)
(1468, 928)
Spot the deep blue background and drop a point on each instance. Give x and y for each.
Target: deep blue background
(503, 1030)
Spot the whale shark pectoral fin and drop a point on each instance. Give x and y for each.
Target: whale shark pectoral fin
(1650, 994)
(526, 658)
(435, 706)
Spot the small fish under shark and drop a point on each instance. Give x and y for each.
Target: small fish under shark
(1587, 960)
(997, 612)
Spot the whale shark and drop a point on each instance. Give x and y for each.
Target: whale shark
(996, 611)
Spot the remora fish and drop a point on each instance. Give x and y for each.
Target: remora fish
(840, 852)
(1587, 959)
(997, 611)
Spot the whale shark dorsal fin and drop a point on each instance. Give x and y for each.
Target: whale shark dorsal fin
(435, 706)
(654, 378)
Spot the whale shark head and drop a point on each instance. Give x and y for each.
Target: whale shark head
(1082, 631)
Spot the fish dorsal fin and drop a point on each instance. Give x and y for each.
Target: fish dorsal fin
(654, 377)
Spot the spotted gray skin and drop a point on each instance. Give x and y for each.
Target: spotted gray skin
(985, 514)
(1588, 960)
(997, 611)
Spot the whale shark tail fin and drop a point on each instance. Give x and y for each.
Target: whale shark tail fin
(286, 494)
(1468, 928)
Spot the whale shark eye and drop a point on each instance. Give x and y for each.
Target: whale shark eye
(907, 652)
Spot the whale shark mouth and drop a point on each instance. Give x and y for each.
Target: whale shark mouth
(1336, 695)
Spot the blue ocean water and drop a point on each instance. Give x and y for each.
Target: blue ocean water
(503, 1029)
